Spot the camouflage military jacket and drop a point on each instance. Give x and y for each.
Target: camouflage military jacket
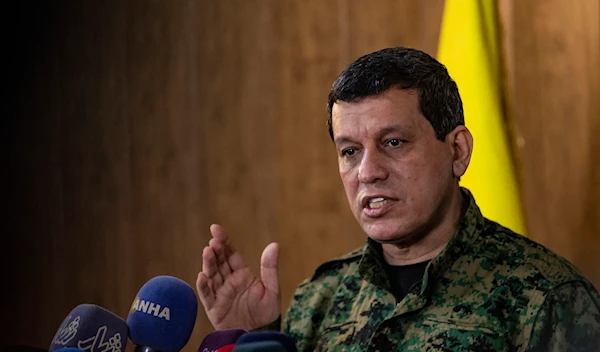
(489, 290)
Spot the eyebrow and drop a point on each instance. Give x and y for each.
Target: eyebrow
(380, 133)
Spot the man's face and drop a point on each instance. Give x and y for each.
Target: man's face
(397, 175)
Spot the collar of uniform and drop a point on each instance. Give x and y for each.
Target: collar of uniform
(469, 228)
(371, 266)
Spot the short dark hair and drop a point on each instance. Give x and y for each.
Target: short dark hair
(405, 68)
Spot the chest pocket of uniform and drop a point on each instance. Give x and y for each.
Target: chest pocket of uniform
(460, 336)
(337, 337)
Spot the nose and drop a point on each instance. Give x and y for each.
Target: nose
(372, 167)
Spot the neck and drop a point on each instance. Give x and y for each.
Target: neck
(430, 245)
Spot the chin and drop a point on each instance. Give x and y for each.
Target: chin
(385, 234)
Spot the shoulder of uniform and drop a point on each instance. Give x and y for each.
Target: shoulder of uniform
(336, 265)
(536, 264)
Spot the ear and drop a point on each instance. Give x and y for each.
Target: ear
(460, 141)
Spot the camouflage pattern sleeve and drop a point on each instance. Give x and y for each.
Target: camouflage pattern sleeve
(569, 320)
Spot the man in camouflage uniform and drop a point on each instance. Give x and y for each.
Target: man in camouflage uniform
(434, 274)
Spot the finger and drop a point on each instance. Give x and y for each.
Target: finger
(269, 268)
(220, 243)
(206, 295)
(234, 259)
(218, 232)
(209, 262)
(211, 269)
(222, 265)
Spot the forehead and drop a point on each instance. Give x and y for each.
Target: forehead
(394, 107)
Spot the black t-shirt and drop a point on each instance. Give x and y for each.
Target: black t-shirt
(403, 277)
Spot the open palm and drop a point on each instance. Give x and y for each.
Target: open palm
(231, 295)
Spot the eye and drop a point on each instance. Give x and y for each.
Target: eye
(394, 142)
(348, 152)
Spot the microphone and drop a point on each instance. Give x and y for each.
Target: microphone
(226, 348)
(283, 341)
(162, 315)
(263, 346)
(89, 327)
(215, 340)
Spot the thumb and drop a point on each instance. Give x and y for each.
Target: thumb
(269, 268)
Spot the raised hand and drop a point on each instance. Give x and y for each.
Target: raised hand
(231, 295)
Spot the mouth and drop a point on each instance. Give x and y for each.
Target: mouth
(377, 205)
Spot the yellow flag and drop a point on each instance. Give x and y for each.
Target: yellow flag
(469, 48)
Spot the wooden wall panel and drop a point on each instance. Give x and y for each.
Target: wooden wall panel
(313, 222)
(147, 121)
(373, 25)
(167, 197)
(236, 102)
(94, 162)
(553, 68)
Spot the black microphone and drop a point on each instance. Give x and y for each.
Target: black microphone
(220, 338)
(265, 341)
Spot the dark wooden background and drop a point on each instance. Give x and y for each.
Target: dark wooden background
(131, 126)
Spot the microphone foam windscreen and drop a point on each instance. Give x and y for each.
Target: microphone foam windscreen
(262, 336)
(226, 348)
(89, 327)
(218, 339)
(163, 314)
(263, 346)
